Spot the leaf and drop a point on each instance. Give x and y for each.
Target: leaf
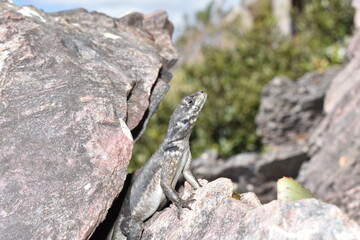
(291, 190)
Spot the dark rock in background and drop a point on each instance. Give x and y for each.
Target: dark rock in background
(284, 160)
(216, 215)
(210, 167)
(289, 110)
(252, 172)
(239, 168)
(72, 87)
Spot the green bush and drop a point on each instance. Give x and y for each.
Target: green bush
(234, 76)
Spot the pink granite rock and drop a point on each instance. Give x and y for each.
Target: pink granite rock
(72, 87)
(216, 215)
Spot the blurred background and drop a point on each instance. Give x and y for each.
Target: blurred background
(117, 8)
(232, 49)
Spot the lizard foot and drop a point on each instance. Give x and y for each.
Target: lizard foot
(184, 203)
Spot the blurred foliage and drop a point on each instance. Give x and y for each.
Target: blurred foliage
(234, 76)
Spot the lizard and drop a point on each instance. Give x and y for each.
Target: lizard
(154, 185)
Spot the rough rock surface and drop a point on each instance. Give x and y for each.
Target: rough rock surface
(72, 85)
(216, 215)
(333, 171)
(289, 110)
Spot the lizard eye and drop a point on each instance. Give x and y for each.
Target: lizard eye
(189, 101)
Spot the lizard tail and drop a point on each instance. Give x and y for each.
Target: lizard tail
(115, 232)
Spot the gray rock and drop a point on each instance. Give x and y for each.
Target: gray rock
(289, 110)
(210, 167)
(239, 168)
(251, 171)
(353, 48)
(216, 215)
(277, 162)
(284, 160)
(342, 87)
(72, 86)
(239, 165)
(206, 165)
(333, 171)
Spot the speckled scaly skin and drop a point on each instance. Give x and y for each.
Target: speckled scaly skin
(155, 183)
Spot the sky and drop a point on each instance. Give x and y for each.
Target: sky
(176, 9)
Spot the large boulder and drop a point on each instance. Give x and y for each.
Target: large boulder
(217, 214)
(333, 171)
(75, 89)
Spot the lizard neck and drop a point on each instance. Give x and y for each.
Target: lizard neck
(178, 143)
(176, 140)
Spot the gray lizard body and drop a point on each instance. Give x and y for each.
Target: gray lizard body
(155, 182)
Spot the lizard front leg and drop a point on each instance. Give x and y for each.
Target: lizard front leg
(168, 174)
(189, 176)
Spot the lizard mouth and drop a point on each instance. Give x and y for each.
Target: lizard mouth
(201, 94)
(200, 99)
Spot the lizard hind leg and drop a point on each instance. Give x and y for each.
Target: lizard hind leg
(132, 228)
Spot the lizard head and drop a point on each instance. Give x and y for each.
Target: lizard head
(184, 117)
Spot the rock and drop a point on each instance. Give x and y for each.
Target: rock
(353, 49)
(239, 168)
(354, 44)
(284, 160)
(153, 29)
(210, 167)
(251, 171)
(73, 85)
(277, 162)
(342, 87)
(290, 110)
(332, 173)
(206, 165)
(216, 215)
(356, 5)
